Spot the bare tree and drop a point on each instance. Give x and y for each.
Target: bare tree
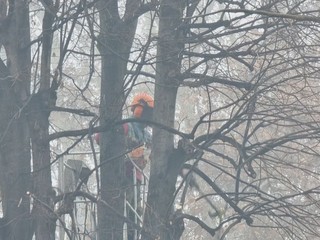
(15, 145)
(40, 105)
(164, 169)
(115, 42)
(255, 72)
(243, 77)
(25, 121)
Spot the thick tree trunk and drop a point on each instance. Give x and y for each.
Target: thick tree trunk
(43, 218)
(115, 42)
(42, 213)
(14, 131)
(162, 186)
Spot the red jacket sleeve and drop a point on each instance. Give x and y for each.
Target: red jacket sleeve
(97, 138)
(125, 126)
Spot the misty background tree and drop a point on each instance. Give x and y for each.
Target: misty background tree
(236, 106)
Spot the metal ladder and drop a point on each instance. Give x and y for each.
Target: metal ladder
(137, 207)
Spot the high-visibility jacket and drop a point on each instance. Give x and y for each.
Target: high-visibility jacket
(136, 136)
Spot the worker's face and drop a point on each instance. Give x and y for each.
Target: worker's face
(147, 113)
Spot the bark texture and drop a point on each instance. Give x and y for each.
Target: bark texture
(14, 131)
(42, 213)
(162, 180)
(114, 43)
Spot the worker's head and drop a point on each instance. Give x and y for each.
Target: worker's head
(142, 106)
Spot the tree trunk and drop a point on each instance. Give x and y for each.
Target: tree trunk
(14, 131)
(162, 186)
(42, 212)
(43, 218)
(115, 42)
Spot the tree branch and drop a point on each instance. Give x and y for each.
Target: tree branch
(205, 80)
(81, 112)
(296, 17)
(109, 126)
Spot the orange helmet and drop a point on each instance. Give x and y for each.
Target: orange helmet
(140, 103)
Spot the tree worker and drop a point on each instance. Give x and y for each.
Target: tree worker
(137, 138)
(136, 135)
